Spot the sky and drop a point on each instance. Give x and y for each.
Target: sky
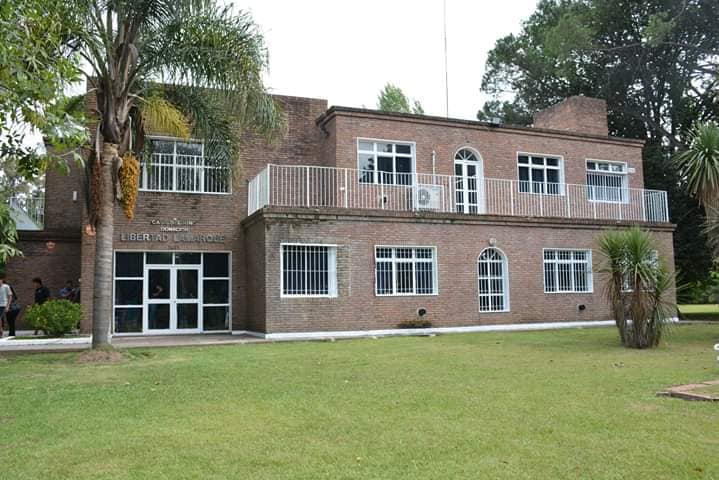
(345, 51)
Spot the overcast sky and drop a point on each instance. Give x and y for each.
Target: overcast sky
(345, 51)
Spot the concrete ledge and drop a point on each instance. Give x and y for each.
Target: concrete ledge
(9, 344)
(515, 327)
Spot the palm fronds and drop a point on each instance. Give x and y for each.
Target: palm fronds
(699, 164)
(639, 286)
(162, 117)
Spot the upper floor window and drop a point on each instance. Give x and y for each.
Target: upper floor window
(540, 174)
(181, 166)
(607, 181)
(385, 162)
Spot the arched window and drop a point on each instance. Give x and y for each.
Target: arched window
(469, 191)
(492, 281)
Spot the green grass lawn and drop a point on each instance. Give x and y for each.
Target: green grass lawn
(700, 312)
(535, 405)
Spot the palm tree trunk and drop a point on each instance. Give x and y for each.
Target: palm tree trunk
(102, 285)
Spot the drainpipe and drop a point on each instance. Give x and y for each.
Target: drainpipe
(434, 161)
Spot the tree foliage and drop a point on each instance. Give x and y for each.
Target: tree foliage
(393, 99)
(36, 67)
(656, 64)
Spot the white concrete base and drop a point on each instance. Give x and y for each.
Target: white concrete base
(514, 327)
(9, 344)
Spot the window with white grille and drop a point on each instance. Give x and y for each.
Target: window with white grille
(309, 270)
(607, 181)
(567, 271)
(492, 280)
(385, 162)
(181, 166)
(540, 174)
(405, 271)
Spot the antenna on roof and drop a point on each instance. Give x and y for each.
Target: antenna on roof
(446, 75)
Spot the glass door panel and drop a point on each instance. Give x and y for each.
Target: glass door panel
(186, 298)
(158, 299)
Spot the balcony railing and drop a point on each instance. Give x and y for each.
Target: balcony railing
(28, 212)
(318, 187)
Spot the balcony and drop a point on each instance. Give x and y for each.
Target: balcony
(328, 187)
(28, 212)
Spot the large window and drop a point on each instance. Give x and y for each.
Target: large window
(385, 162)
(309, 270)
(405, 271)
(180, 166)
(567, 271)
(492, 280)
(607, 181)
(171, 291)
(540, 174)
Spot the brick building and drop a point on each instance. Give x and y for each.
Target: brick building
(357, 220)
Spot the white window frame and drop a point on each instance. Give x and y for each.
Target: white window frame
(375, 175)
(593, 189)
(504, 278)
(331, 271)
(571, 262)
(414, 260)
(201, 182)
(544, 167)
(144, 305)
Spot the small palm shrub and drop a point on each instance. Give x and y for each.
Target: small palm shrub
(639, 287)
(55, 317)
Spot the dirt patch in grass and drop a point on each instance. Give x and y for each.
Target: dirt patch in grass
(101, 356)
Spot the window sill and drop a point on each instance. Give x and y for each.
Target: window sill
(183, 192)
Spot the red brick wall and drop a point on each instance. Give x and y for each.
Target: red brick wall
(63, 218)
(575, 114)
(498, 147)
(55, 266)
(459, 240)
(220, 214)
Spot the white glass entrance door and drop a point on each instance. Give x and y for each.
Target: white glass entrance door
(172, 299)
(469, 182)
(160, 292)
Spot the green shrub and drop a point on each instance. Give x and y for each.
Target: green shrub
(415, 323)
(54, 317)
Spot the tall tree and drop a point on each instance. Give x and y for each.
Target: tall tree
(180, 67)
(393, 99)
(654, 61)
(36, 66)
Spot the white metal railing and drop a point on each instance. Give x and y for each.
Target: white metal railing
(316, 187)
(28, 211)
(168, 172)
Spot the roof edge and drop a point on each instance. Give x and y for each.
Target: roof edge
(338, 110)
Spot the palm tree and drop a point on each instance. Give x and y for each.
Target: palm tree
(180, 67)
(638, 286)
(698, 166)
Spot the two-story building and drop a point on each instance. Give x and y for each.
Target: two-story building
(357, 220)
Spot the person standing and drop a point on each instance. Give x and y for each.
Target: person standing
(13, 312)
(42, 294)
(5, 302)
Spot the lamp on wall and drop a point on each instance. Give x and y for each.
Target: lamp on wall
(50, 245)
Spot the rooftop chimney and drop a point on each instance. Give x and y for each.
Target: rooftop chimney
(575, 114)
